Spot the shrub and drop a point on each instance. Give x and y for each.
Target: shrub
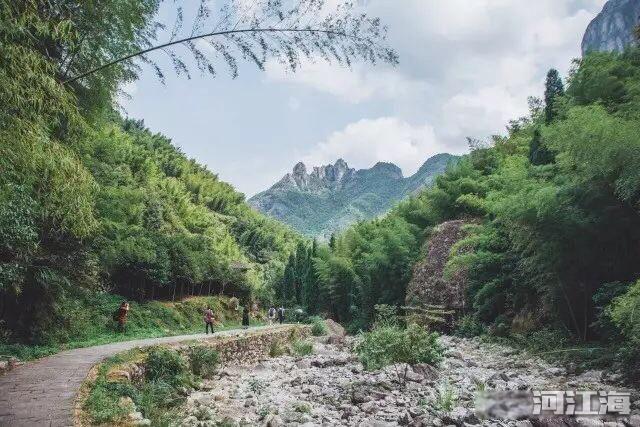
(318, 327)
(390, 344)
(257, 386)
(468, 326)
(302, 407)
(203, 360)
(446, 398)
(302, 348)
(386, 315)
(167, 365)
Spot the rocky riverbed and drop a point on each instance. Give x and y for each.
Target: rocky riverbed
(330, 387)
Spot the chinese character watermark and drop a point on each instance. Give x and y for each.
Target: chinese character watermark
(581, 402)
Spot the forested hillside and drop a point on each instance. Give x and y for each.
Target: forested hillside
(552, 255)
(93, 203)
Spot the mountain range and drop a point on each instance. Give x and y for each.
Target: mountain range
(331, 197)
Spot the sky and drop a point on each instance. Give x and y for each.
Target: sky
(466, 68)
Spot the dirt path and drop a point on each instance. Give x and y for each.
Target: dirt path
(42, 393)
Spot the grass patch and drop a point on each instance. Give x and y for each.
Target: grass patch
(302, 348)
(318, 327)
(203, 360)
(277, 349)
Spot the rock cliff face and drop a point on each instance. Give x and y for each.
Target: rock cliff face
(331, 197)
(613, 28)
(428, 286)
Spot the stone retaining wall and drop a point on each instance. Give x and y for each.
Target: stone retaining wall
(245, 348)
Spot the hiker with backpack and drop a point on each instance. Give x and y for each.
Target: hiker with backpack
(272, 315)
(281, 314)
(208, 320)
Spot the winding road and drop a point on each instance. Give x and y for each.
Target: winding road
(43, 392)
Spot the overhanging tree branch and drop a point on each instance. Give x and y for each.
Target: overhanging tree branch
(202, 36)
(264, 30)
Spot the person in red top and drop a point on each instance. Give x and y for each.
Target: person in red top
(208, 320)
(122, 315)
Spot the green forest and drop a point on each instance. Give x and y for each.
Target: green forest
(553, 237)
(92, 203)
(95, 208)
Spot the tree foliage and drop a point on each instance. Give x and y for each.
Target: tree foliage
(556, 220)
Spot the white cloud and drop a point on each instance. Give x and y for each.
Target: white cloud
(294, 103)
(353, 85)
(483, 112)
(386, 139)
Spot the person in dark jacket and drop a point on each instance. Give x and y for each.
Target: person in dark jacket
(208, 320)
(245, 317)
(281, 315)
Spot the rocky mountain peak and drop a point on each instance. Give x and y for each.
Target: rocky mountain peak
(299, 169)
(328, 198)
(613, 28)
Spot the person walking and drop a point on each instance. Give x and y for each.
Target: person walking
(245, 317)
(272, 315)
(208, 320)
(123, 311)
(281, 315)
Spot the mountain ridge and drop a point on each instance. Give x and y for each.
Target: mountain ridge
(328, 198)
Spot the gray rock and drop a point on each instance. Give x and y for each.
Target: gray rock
(612, 28)
(369, 407)
(459, 415)
(273, 420)
(360, 396)
(634, 421)
(589, 422)
(405, 419)
(589, 377)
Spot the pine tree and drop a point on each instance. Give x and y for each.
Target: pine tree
(539, 154)
(553, 89)
(332, 241)
(288, 281)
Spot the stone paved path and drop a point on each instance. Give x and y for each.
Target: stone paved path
(42, 392)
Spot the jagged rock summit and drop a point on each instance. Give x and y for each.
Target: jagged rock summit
(321, 178)
(613, 28)
(331, 197)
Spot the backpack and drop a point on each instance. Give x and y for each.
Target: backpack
(272, 312)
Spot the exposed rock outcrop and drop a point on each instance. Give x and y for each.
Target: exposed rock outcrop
(429, 287)
(613, 28)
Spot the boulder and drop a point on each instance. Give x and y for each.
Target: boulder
(335, 328)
